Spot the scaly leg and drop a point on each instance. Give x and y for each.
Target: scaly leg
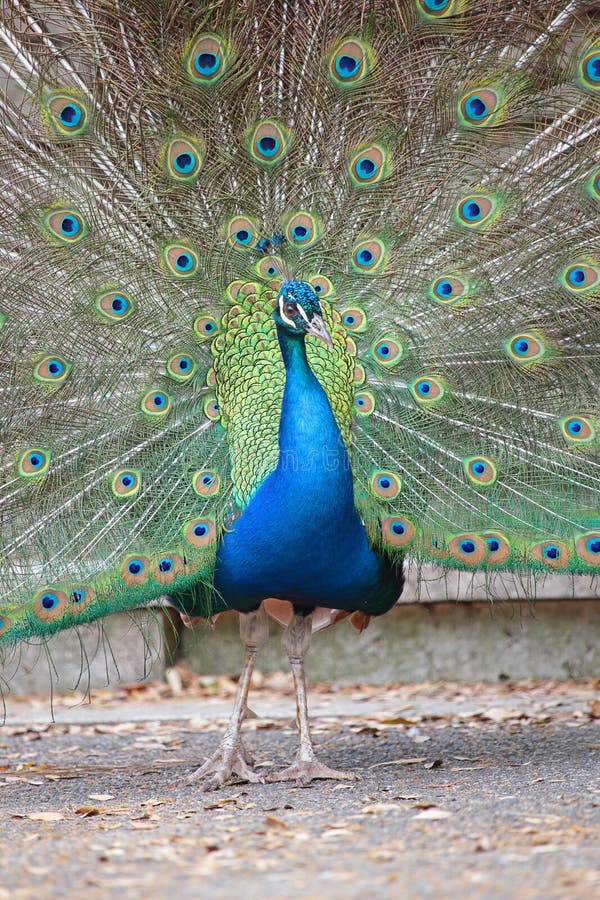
(296, 641)
(230, 759)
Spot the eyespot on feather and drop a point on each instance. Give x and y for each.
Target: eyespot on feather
(200, 533)
(477, 211)
(354, 319)
(49, 605)
(207, 59)
(34, 463)
(385, 485)
(52, 370)
(205, 327)
(480, 471)
(268, 142)
(156, 403)
(469, 549)
(211, 408)
(349, 63)
(67, 114)
(397, 531)
(449, 289)
(165, 569)
(206, 483)
(553, 554)
(126, 483)
(369, 166)
(242, 233)
(364, 403)
(427, 390)
(5, 624)
(369, 255)
(322, 286)
(589, 69)
(578, 429)
(581, 278)
(135, 570)
(303, 229)
(388, 351)
(359, 376)
(525, 348)
(114, 305)
(180, 260)
(440, 9)
(481, 107)
(181, 367)
(588, 548)
(80, 598)
(269, 267)
(183, 158)
(498, 548)
(64, 225)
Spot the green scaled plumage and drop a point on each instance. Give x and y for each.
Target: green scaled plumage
(432, 169)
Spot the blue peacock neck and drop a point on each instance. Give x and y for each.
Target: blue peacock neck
(310, 441)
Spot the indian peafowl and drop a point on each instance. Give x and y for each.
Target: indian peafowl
(292, 290)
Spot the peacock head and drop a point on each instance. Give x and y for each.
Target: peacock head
(298, 311)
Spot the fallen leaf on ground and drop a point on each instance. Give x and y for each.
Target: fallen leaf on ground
(433, 814)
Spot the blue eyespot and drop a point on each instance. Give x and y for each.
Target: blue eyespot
(479, 467)
(200, 530)
(471, 210)
(360, 401)
(383, 350)
(300, 233)
(364, 257)
(127, 480)
(444, 289)
(119, 305)
(592, 68)
(551, 552)
(184, 163)
(366, 168)
(467, 547)
(576, 277)
(184, 262)
(349, 320)
(398, 528)
(268, 145)
(207, 63)
(346, 66)
(55, 368)
(49, 601)
(35, 460)
(593, 545)
(493, 544)
(243, 236)
(70, 226)
(384, 483)
(318, 289)
(70, 115)
(521, 347)
(159, 400)
(77, 596)
(424, 388)
(574, 426)
(134, 567)
(165, 565)
(435, 5)
(476, 108)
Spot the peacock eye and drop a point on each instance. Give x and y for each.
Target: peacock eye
(290, 310)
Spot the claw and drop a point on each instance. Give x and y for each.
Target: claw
(227, 763)
(306, 770)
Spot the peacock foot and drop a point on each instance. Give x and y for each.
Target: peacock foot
(308, 768)
(228, 762)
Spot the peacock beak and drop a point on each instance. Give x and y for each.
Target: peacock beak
(316, 326)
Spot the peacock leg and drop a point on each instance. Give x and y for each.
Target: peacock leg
(230, 758)
(306, 767)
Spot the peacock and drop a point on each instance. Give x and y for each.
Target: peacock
(292, 293)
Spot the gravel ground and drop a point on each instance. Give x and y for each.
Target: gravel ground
(466, 791)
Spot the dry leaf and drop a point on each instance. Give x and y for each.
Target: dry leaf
(86, 811)
(433, 814)
(434, 764)
(45, 816)
(410, 761)
(101, 797)
(274, 822)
